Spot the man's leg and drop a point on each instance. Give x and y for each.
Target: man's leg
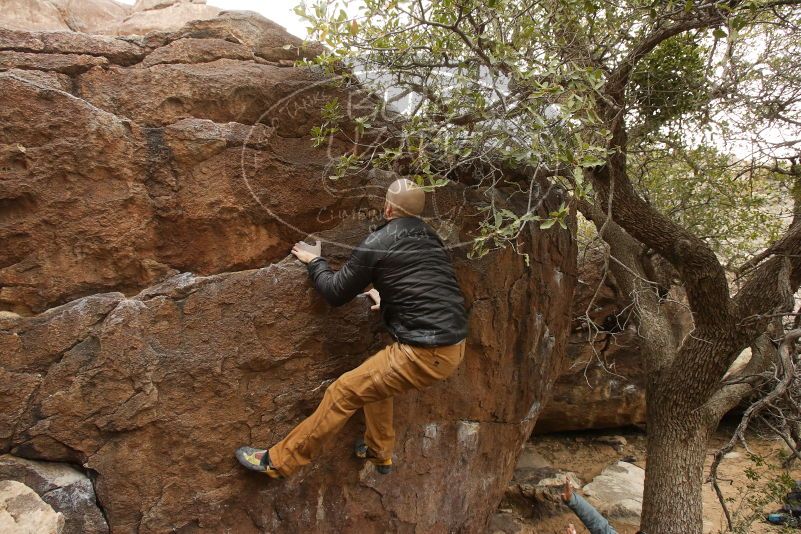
(380, 434)
(395, 369)
(342, 398)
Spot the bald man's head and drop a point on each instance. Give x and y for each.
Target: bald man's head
(405, 198)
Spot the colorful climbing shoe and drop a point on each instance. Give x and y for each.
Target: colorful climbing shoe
(364, 452)
(257, 460)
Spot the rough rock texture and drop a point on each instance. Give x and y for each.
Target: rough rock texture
(120, 175)
(603, 382)
(66, 489)
(23, 512)
(51, 15)
(142, 158)
(102, 16)
(617, 492)
(154, 15)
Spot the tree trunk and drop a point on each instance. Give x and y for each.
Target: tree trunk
(677, 440)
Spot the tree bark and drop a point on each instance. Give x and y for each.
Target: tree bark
(674, 473)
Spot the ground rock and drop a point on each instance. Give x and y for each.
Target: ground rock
(66, 489)
(617, 442)
(507, 522)
(617, 492)
(530, 458)
(23, 512)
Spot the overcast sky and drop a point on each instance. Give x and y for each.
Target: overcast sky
(279, 11)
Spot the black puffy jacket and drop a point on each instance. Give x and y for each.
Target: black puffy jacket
(405, 260)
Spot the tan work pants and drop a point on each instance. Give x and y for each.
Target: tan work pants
(371, 386)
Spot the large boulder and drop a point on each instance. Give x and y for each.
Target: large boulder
(153, 322)
(602, 384)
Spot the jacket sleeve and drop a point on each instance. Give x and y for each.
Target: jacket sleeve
(594, 521)
(340, 287)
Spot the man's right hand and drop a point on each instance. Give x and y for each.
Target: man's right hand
(306, 252)
(567, 491)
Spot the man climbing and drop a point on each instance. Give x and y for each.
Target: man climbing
(422, 307)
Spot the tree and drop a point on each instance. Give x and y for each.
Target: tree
(500, 94)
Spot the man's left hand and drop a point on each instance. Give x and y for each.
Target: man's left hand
(376, 298)
(306, 252)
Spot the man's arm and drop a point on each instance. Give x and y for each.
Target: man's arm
(340, 287)
(594, 521)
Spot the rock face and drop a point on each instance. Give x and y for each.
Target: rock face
(603, 383)
(23, 512)
(146, 183)
(103, 16)
(67, 490)
(52, 15)
(166, 15)
(171, 152)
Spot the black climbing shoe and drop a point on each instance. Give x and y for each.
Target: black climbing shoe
(363, 452)
(257, 460)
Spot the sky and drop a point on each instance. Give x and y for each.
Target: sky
(279, 11)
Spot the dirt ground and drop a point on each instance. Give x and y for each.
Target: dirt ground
(580, 453)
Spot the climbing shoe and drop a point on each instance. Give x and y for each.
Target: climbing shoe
(257, 460)
(364, 452)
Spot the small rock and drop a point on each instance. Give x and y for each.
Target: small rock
(66, 489)
(531, 459)
(508, 523)
(22, 511)
(732, 455)
(536, 483)
(618, 442)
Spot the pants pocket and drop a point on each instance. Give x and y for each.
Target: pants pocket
(450, 357)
